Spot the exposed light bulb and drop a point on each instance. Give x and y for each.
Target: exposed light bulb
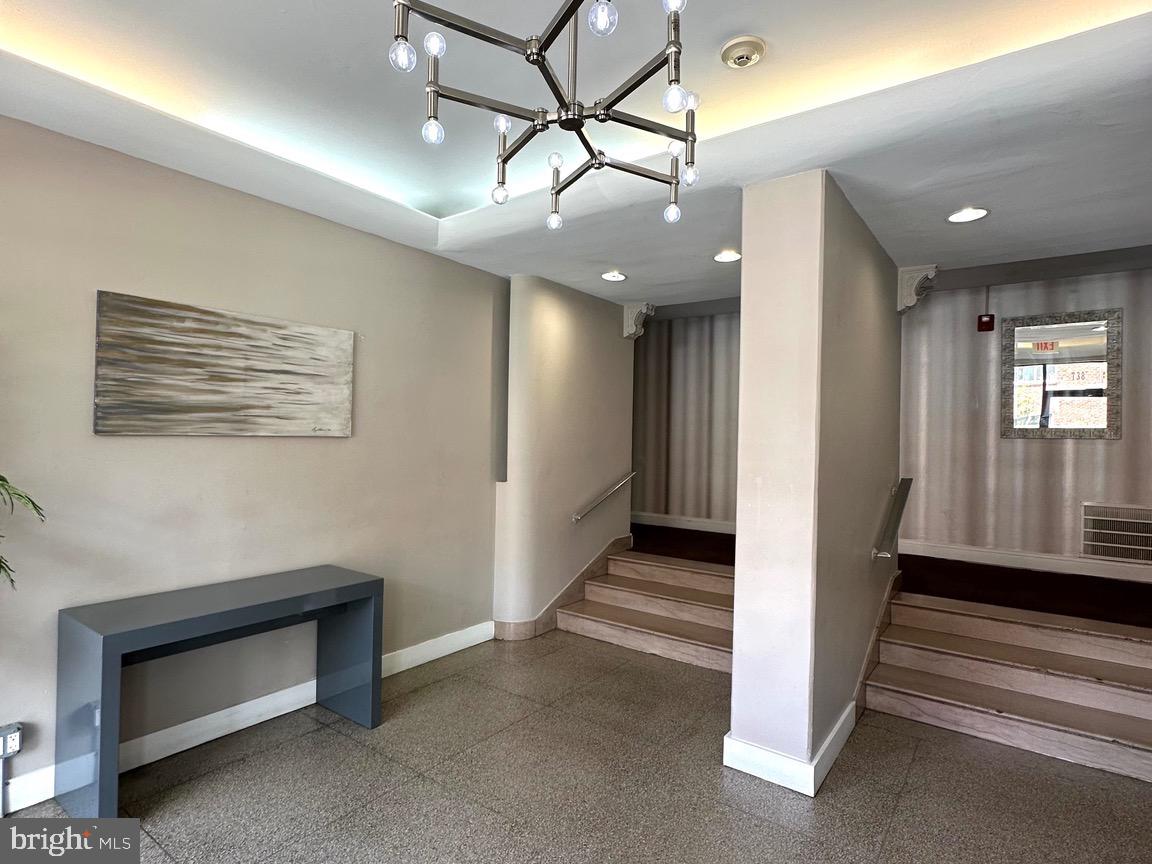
(402, 56)
(693, 100)
(689, 175)
(671, 6)
(672, 214)
(603, 18)
(556, 160)
(432, 131)
(675, 99)
(502, 123)
(435, 44)
(555, 222)
(500, 194)
(676, 149)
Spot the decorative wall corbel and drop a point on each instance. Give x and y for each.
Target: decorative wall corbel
(912, 283)
(634, 317)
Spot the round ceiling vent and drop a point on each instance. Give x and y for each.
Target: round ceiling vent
(743, 51)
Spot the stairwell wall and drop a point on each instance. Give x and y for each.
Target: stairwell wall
(569, 438)
(818, 453)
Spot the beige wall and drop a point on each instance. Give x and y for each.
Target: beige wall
(410, 497)
(974, 488)
(777, 463)
(819, 408)
(859, 451)
(569, 437)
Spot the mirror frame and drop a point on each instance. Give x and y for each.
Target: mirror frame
(1115, 321)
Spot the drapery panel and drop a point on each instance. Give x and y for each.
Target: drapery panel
(685, 417)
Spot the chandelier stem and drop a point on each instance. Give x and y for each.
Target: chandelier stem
(401, 11)
(690, 144)
(674, 48)
(573, 41)
(433, 88)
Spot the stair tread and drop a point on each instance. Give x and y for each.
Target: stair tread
(665, 590)
(677, 563)
(1025, 616)
(1052, 662)
(673, 628)
(1090, 722)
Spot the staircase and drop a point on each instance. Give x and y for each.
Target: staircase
(668, 606)
(1072, 688)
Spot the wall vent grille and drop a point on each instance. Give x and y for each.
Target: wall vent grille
(1118, 533)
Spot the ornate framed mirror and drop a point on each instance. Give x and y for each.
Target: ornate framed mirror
(1061, 375)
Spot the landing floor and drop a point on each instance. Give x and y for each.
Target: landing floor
(562, 749)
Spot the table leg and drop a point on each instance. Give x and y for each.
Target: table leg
(348, 660)
(87, 722)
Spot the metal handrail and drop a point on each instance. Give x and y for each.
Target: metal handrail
(576, 517)
(886, 543)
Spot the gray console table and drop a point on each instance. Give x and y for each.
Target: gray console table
(95, 642)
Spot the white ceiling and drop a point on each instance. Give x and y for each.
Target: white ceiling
(297, 104)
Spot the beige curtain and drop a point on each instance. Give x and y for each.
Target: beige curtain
(684, 422)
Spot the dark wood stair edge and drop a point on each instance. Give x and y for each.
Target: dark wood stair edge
(1117, 601)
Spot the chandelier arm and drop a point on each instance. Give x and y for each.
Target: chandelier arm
(592, 152)
(519, 144)
(638, 78)
(494, 105)
(587, 166)
(641, 171)
(646, 125)
(567, 11)
(465, 25)
(553, 81)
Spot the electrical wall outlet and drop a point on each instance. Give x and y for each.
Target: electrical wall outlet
(11, 740)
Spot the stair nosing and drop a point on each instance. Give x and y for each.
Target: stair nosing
(998, 661)
(596, 581)
(1005, 619)
(1018, 717)
(688, 640)
(671, 563)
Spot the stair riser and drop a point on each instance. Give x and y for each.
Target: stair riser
(1120, 700)
(1098, 647)
(650, 643)
(671, 576)
(665, 606)
(1105, 755)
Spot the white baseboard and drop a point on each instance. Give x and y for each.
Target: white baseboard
(692, 523)
(788, 771)
(433, 649)
(1030, 560)
(39, 785)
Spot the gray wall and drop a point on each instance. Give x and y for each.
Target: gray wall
(859, 451)
(409, 497)
(569, 438)
(973, 488)
(686, 411)
(818, 453)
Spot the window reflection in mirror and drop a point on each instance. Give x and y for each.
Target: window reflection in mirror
(1064, 376)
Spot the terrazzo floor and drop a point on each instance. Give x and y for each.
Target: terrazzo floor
(563, 749)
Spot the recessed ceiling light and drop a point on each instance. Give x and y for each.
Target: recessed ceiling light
(613, 276)
(727, 256)
(968, 214)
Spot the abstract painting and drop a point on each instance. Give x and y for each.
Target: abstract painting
(170, 369)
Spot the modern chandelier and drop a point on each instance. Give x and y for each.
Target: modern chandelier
(571, 114)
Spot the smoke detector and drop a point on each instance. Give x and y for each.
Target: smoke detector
(743, 51)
